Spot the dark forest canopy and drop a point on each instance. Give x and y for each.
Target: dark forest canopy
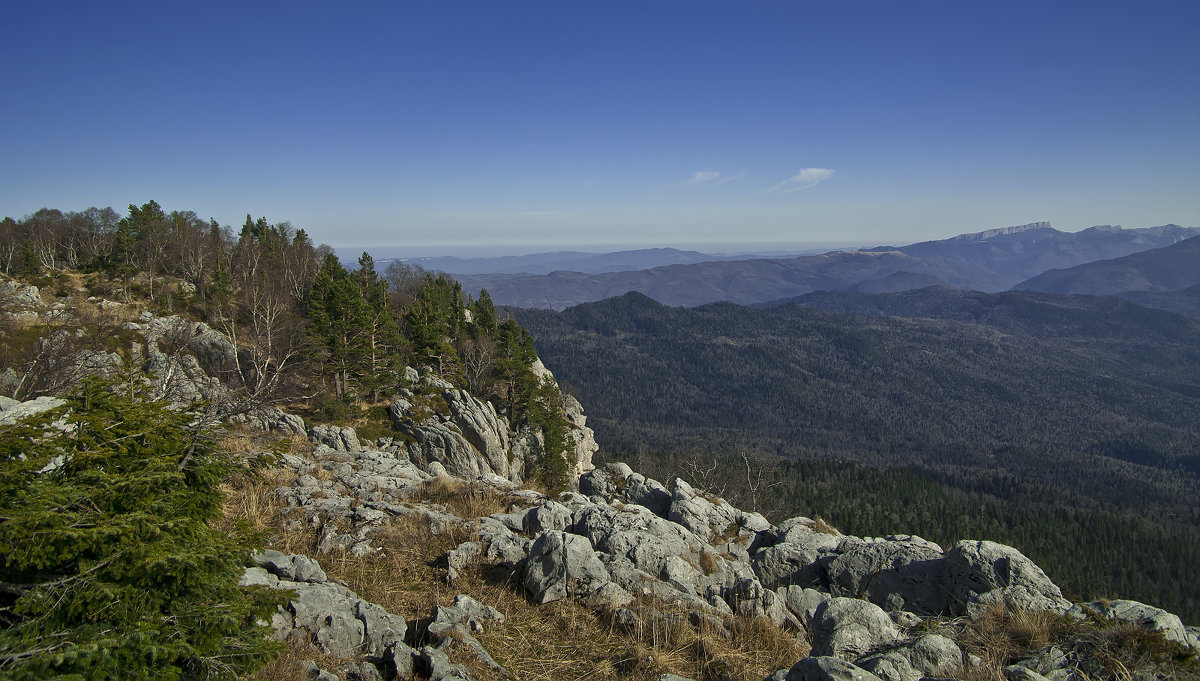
(1068, 426)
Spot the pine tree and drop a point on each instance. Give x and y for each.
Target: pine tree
(109, 564)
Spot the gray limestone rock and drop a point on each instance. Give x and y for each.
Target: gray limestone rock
(457, 624)
(827, 668)
(849, 627)
(549, 516)
(437, 667)
(1018, 673)
(649, 493)
(342, 623)
(272, 419)
(12, 411)
(295, 568)
(1145, 616)
(15, 295)
(801, 602)
(605, 482)
(788, 564)
(582, 437)
(935, 655)
(635, 533)
(310, 670)
(896, 573)
(503, 546)
(1019, 597)
(976, 567)
(487, 432)
(342, 439)
(460, 557)
(705, 516)
(562, 565)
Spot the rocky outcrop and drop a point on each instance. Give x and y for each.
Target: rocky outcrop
(328, 614)
(471, 439)
(624, 541)
(271, 420)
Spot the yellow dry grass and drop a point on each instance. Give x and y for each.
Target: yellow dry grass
(559, 641)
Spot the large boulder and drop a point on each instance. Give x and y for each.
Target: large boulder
(562, 565)
(341, 623)
(827, 668)
(342, 439)
(895, 573)
(654, 545)
(930, 656)
(706, 516)
(849, 627)
(976, 567)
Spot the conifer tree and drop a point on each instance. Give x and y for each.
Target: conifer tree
(109, 564)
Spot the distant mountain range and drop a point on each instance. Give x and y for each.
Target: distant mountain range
(993, 260)
(1171, 268)
(575, 261)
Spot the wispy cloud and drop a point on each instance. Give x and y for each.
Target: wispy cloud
(702, 176)
(710, 177)
(803, 179)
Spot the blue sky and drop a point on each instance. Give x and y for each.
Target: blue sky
(570, 124)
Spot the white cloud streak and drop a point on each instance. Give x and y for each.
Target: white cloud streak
(803, 179)
(702, 176)
(710, 177)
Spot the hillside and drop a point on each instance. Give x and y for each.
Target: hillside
(234, 458)
(987, 261)
(1071, 405)
(1158, 270)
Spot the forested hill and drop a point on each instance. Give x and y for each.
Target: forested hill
(1171, 268)
(1005, 374)
(1053, 408)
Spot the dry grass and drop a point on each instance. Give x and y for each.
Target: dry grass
(463, 499)
(819, 525)
(559, 641)
(287, 667)
(1101, 649)
(566, 640)
(251, 498)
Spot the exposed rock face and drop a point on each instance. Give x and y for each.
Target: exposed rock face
(470, 439)
(827, 668)
(272, 420)
(897, 573)
(624, 537)
(342, 439)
